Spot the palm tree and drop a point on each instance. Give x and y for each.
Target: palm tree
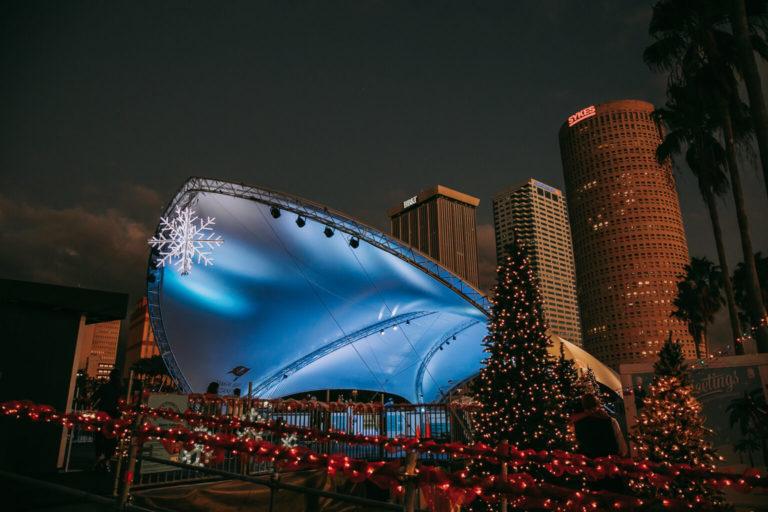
(698, 299)
(692, 46)
(748, 445)
(740, 285)
(746, 17)
(689, 127)
(751, 414)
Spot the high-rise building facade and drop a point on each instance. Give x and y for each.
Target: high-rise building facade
(441, 223)
(99, 348)
(140, 341)
(628, 237)
(536, 214)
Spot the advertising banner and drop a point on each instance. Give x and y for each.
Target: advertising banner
(717, 383)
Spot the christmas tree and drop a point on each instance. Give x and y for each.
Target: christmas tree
(571, 385)
(518, 387)
(670, 429)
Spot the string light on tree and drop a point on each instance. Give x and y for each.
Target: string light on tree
(670, 429)
(518, 388)
(184, 238)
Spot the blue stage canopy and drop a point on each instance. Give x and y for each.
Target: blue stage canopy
(302, 311)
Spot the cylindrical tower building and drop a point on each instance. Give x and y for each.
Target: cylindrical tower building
(628, 237)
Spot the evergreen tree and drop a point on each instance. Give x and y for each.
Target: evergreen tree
(518, 389)
(670, 429)
(570, 383)
(521, 398)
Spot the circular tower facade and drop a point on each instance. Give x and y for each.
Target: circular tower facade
(628, 237)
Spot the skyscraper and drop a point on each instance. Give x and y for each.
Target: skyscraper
(441, 223)
(99, 348)
(140, 341)
(537, 215)
(628, 237)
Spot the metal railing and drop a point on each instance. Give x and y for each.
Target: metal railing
(441, 422)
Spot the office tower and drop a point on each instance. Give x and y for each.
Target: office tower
(140, 342)
(628, 237)
(97, 357)
(536, 214)
(441, 223)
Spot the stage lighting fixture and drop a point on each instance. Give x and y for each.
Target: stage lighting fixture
(328, 231)
(354, 243)
(300, 221)
(275, 211)
(454, 337)
(441, 347)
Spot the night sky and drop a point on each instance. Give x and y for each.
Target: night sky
(107, 107)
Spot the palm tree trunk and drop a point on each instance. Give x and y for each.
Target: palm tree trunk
(730, 301)
(751, 75)
(757, 308)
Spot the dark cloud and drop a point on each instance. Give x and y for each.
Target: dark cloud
(102, 249)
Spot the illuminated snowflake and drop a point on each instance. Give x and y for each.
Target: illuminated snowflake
(184, 238)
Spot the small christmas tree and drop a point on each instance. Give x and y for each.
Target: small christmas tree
(521, 398)
(571, 385)
(670, 429)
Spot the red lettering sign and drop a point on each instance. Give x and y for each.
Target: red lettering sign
(581, 115)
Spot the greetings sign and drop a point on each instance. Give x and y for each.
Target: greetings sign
(716, 388)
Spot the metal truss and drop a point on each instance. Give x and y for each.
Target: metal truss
(335, 219)
(446, 338)
(333, 346)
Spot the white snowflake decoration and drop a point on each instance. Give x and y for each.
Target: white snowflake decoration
(198, 455)
(184, 238)
(289, 440)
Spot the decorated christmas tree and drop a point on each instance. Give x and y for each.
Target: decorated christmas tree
(571, 385)
(670, 429)
(518, 387)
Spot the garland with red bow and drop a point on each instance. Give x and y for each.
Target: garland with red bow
(556, 462)
(291, 404)
(521, 488)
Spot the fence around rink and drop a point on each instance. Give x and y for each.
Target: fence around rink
(441, 422)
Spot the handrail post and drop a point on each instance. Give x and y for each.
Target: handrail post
(133, 453)
(121, 441)
(409, 475)
(504, 477)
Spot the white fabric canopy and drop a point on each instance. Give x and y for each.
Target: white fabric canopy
(583, 361)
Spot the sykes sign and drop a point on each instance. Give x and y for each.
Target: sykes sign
(581, 115)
